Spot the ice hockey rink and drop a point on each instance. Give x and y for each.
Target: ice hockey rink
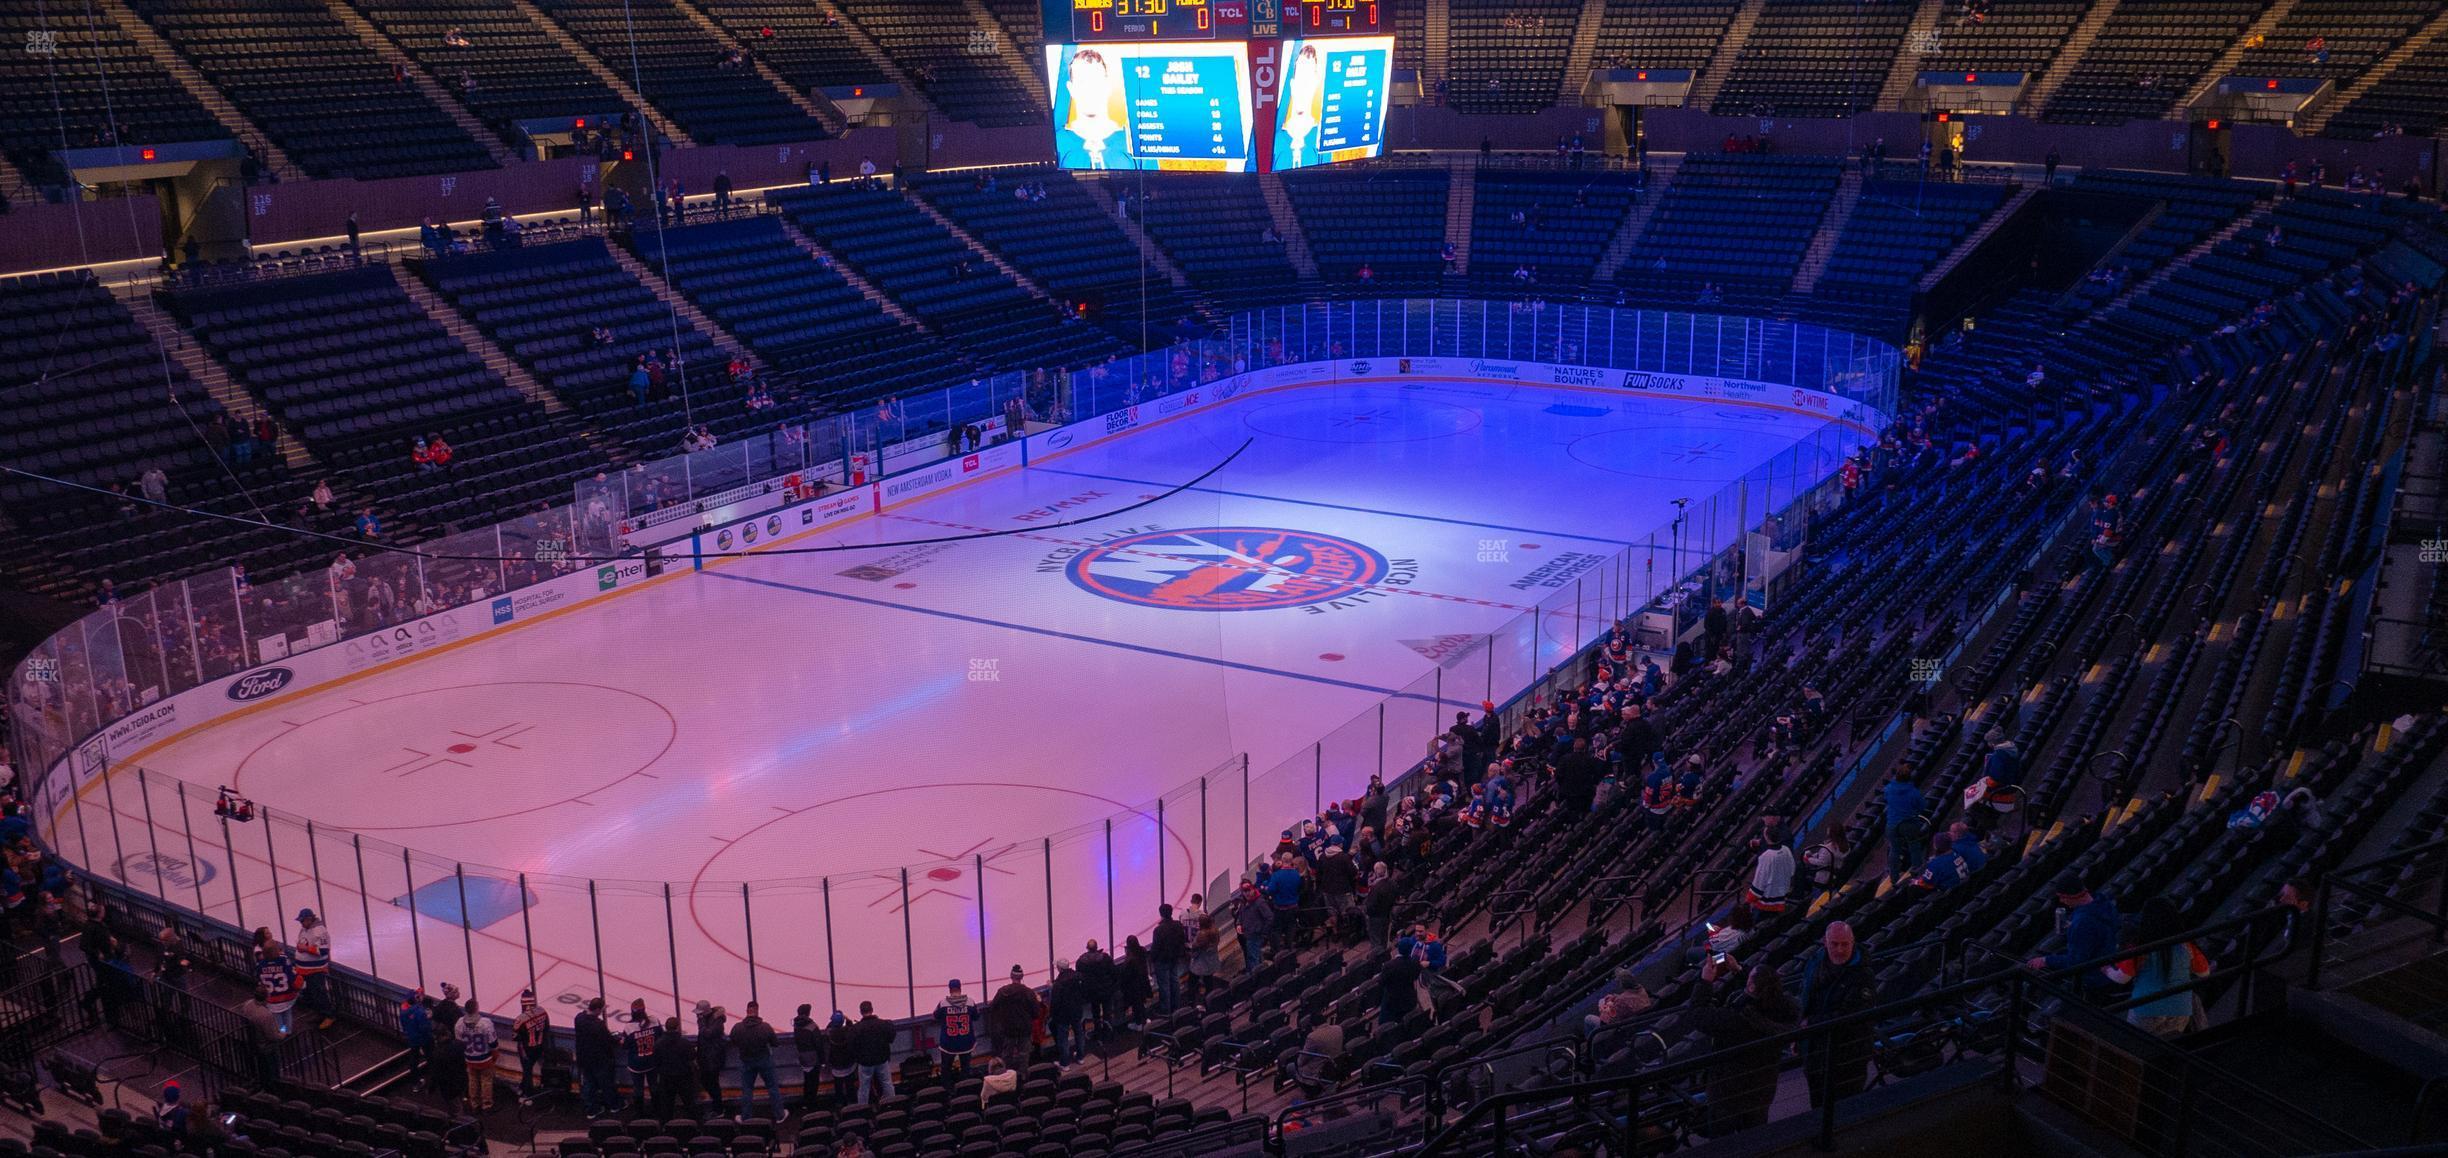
(927, 751)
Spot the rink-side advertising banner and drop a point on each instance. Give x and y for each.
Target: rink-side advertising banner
(304, 670)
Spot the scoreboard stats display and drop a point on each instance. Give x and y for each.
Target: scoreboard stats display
(1331, 103)
(1233, 86)
(1173, 105)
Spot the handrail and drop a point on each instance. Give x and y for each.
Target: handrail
(2018, 981)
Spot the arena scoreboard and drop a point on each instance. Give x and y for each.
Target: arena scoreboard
(1304, 18)
(1233, 86)
(1097, 21)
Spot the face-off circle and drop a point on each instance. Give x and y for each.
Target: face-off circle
(1226, 568)
(498, 749)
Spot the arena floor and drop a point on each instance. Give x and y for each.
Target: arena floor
(915, 748)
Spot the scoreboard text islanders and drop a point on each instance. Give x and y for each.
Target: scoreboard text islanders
(1229, 86)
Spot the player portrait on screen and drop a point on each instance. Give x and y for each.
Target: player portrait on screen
(1087, 135)
(1296, 134)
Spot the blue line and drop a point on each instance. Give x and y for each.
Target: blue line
(1340, 507)
(1053, 634)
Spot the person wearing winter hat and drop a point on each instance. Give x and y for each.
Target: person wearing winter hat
(171, 1112)
(532, 1033)
(713, 1051)
(955, 1029)
(478, 1042)
(807, 1041)
(312, 960)
(1011, 1020)
(416, 1026)
(838, 1051)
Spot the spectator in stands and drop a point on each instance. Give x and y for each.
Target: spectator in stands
(1205, 960)
(638, 1044)
(478, 1045)
(722, 192)
(154, 484)
(586, 203)
(871, 1048)
(1398, 985)
(1772, 874)
(955, 1030)
(1955, 855)
(1836, 981)
(2048, 170)
(1101, 979)
(369, 526)
(264, 1033)
(713, 1051)
(1742, 1087)
(416, 1029)
(455, 36)
(675, 1071)
(2153, 973)
(1168, 949)
(2091, 930)
(1011, 1020)
(595, 1050)
(1254, 919)
(1132, 994)
(841, 1047)
(807, 1048)
(1066, 1013)
(1320, 1061)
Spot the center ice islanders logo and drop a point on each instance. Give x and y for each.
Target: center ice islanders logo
(1226, 568)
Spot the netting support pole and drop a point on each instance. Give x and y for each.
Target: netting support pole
(467, 931)
(671, 944)
(909, 951)
(161, 886)
(1049, 883)
(1109, 882)
(229, 849)
(195, 866)
(527, 933)
(280, 907)
(110, 802)
(314, 864)
(748, 915)
(595, 924)
(832, 976)
(985, 979)
(365, 902)
(416, 933)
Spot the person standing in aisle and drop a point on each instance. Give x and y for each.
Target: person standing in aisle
(416, 1028)
(955, 1029)
(532, 1033)
(478, 1042)
(807, 1041)
(313, 964)
(597, 1050)
(871, 1048)
(753, 1040)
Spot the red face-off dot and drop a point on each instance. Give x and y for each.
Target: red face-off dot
(462, 749)
(1331, 656)
(943, 874)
